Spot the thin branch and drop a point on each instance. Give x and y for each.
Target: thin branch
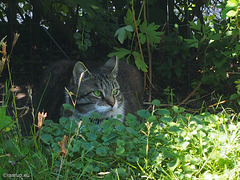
(191, 94)
(139, 43)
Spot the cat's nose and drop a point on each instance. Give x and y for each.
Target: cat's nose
(110, 101)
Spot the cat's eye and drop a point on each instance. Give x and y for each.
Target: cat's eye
(115, 92)
(97, 93)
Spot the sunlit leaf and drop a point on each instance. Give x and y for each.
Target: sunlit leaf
(231, 13)
(232, 3)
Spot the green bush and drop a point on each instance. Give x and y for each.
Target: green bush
(169, 144)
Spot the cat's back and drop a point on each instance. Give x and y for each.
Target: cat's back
(131, 84)
(50, 95)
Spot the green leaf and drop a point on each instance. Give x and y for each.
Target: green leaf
(173, 165)
(63, 120)
(133, 159)
(6, 122)
(167, 152)
(120, 128)
(232, 3)
(120, 33)
(128, 19)
(231, 13)
(175, 108)
(120, 150)
(112, 137)
(142, 38)
(128, 28)
(87, 146)
(215, 36)
(1, 42)
(48, 122)
(76, 145)
(163, 112)
(46, 137)
(197, 26)
(141, 65)
(77, 36)
(233, 96)
(91, 136)
(192, 42)
(120, 53)
(121, 171)
(56, 131)
(132, 121)
(101, 151)
(68, 107)
(184, 145)
(156, 102)
(131, 117)
(139, 62)
(166, 119)
(90, 168)
(120, 143)
(143, 113)
(88, 42)
(151, 33)
(237, 48)
(131, 131)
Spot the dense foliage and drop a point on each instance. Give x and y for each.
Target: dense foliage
(184, 45)
(170, 144)
(180, 43)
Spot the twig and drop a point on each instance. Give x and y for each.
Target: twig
(191, 94)
(139, 43)
(224, 101)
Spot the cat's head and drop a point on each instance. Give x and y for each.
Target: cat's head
(97, 91)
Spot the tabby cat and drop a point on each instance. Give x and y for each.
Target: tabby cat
(111, 90)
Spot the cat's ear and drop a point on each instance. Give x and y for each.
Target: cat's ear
(79, 69)
(112, 65)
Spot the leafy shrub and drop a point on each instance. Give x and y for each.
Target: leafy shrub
(169, 144)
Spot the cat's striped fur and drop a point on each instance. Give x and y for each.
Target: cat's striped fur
(97, 91)
(112, 89)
